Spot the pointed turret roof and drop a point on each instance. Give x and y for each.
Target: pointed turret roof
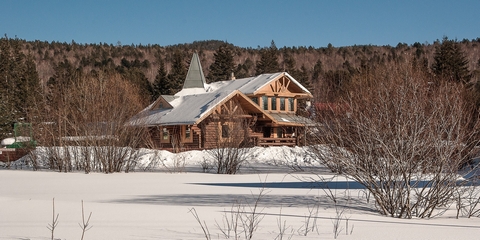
(195, 77)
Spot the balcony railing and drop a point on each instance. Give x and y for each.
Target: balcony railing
(265, 142)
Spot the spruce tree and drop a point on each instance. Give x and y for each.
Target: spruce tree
(223, 66)
(160, 83)
(29, 87)
(302, 77)
(268, 62)
(288, 62)
(244, 70)
(317, 71)
(19, 85)
(138, 78)
(6, 95)
(450, 62)
(177, 75)
(65, 75)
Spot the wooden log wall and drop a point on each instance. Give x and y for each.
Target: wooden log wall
(211, 134)
(12, 154)
(156, 140)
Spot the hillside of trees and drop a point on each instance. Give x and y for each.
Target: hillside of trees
(39, 75)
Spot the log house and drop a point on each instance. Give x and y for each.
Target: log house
(203, 115)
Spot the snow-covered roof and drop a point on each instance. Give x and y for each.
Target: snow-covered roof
(190, 91)
(169, 98)
(187, 110)
(291, 119)
(197, 99)
(252, 84)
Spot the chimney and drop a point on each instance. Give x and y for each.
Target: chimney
(232, 76)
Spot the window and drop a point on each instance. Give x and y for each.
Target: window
(282, 104)
(165, 138)
(279, 132)
(225, 131)
(291, 104)
(187, 134)
(255, 99)
(274, 103)
(265, 102)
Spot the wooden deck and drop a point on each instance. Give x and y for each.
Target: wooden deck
(265, 142)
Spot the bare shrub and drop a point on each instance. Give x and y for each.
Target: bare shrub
(52, 226)
(203, 224)
(178, 164)
(282, 228)
(242, 219)
(297, 160)
(340, 201)
(90, 114)
(337, 220)
(401, 137)
(231, 222)
(206, 165)
(310, 221)
(153, 162)
(468, 200)
(252, 218)
(228, 159)
(85, 226)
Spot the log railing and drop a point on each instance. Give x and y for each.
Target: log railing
(264, 142)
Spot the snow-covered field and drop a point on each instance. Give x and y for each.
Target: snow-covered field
(158, 203)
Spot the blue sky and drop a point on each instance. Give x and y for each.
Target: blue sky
(245, 23)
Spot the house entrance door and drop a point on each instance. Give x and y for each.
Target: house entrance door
(267, 132)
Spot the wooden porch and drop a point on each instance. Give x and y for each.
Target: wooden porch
(266, 142)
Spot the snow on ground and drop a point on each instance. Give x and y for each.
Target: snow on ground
(158, 203)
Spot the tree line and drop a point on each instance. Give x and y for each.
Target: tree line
(33, 70)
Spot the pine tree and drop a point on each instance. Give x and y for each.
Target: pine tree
(6, 95)
(19, 85)
(160, 83)
(29, 87)
(134, 72)
(317, 71)
(177, 75)
(243, 70)
(65, 74)
(268, 62)
(223, 65)
(304, 79)
(450, 62)
(136, 76)
(288, 62)
(17, 71)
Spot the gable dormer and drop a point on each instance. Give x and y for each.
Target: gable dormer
(163, 102)
(284, 85)
(279, 93)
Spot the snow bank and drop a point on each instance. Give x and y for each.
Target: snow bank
(154, 159)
